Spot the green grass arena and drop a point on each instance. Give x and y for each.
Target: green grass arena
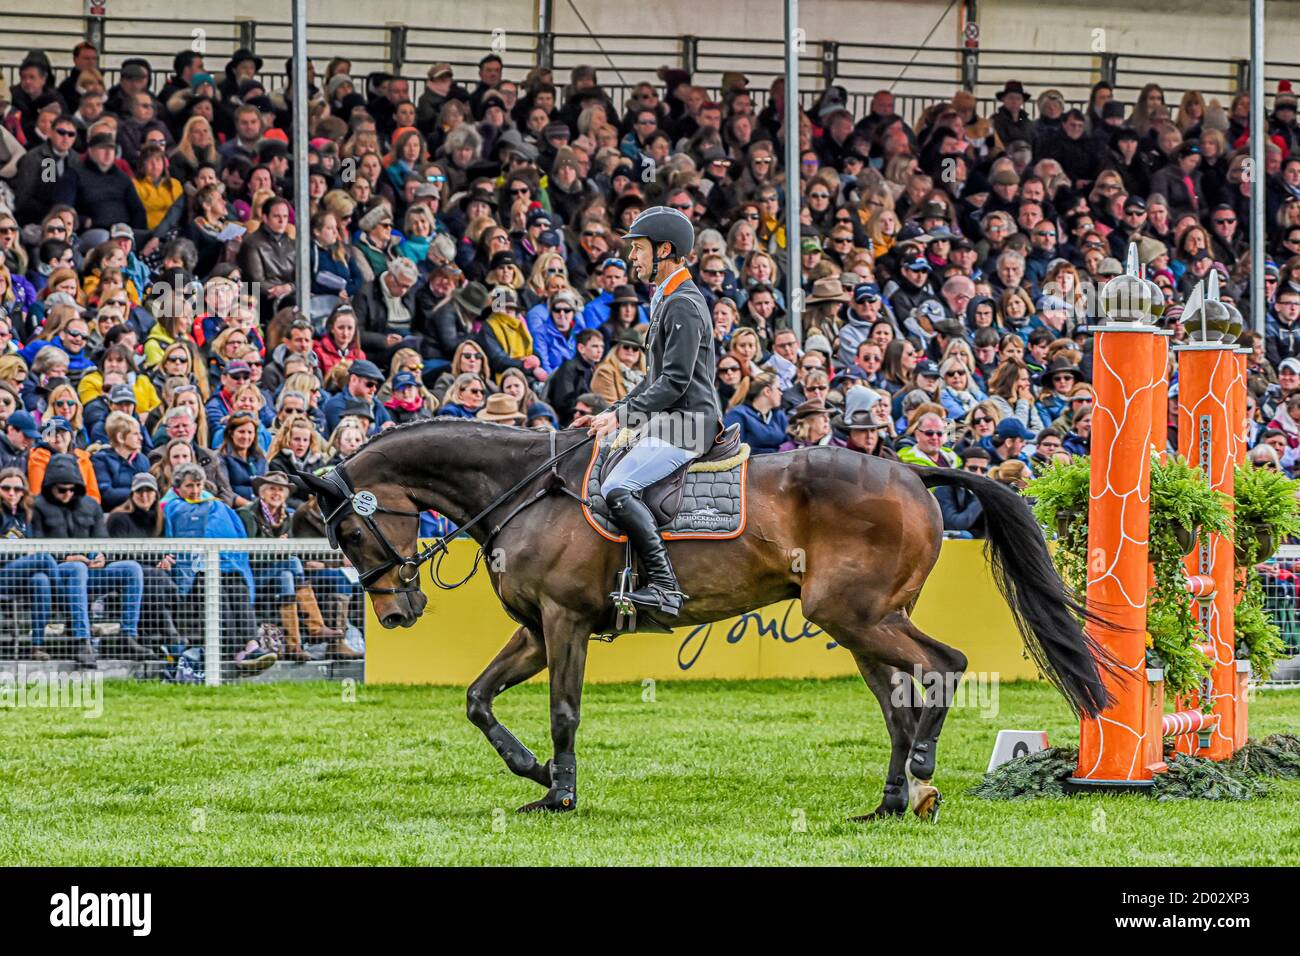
(708, 773)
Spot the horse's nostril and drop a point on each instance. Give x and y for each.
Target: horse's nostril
(392, 619)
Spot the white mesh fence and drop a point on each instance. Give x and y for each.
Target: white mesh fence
(182, 609)
(1281, 577)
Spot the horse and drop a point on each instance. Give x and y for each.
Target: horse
(852, 536)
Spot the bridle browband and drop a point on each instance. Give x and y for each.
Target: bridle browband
(364, 505)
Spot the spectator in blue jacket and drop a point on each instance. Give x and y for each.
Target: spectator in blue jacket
(236, 373)
(364, 379)
(761, 420)
(612, 274)
(555, 335)
(195, 513)
(117, 465)
(963, 515)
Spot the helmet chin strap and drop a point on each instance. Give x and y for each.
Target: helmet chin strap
(655, 259)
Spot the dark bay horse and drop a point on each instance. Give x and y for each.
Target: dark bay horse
(852, 536)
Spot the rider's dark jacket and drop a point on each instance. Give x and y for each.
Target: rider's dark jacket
(680, 369)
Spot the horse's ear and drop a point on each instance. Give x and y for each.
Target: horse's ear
(308, 484)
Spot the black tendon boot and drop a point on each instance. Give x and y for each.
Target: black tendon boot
(660, 593)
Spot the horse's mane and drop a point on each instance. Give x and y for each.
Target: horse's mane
(431, 424)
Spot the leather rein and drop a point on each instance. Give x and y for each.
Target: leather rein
(364, 505)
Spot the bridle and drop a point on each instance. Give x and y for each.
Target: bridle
(364, 505)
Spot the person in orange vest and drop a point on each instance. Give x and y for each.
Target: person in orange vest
(56, 439)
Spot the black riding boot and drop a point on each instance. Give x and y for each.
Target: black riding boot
(661, 592)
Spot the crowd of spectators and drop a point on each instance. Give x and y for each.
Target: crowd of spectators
(160, 370)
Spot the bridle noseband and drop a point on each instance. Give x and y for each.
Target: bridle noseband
(364, 505)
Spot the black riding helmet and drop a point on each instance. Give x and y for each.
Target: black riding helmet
(663, 224)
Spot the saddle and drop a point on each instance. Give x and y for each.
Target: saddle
(711, 487)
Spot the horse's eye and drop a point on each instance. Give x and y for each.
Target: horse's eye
(354, 536)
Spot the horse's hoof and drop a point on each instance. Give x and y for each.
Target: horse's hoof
(925, 803)
(555, 801)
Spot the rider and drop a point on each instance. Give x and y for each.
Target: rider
(674, 412)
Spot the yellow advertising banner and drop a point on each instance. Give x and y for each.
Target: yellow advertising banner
(462, 630)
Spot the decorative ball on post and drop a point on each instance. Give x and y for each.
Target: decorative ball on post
(1130, 299)
(1208, 320)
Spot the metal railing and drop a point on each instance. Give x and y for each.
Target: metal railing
(1282, 602)
(919, 77)
(53, 612)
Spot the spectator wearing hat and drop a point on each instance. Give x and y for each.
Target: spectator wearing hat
(1004, 190)
(502, 409)
(810, 425)
(408, 402)
(924, 384)
(242, 65)
(1009, 440)
(440, 86)
(1132, 227)
(385, 312)
(116, 465)
(236, 373)
(19, 438)
(527, 243)
(100, 192)
(1051, 107)
(963, 515)
(864, 423)
(1010, 121)
(913, 286)
(622, 370)
(57, 439)
(281, 580)
(625, 312)
(862, 313)
(1126, 157)
(375, 247)
(760, 417)
(140, 515)
(574, 376)
(1056, 383)
(364, 379)
(611, 275)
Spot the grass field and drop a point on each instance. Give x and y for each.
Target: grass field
(707, 773)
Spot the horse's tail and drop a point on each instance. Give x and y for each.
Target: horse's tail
(1048, 615)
